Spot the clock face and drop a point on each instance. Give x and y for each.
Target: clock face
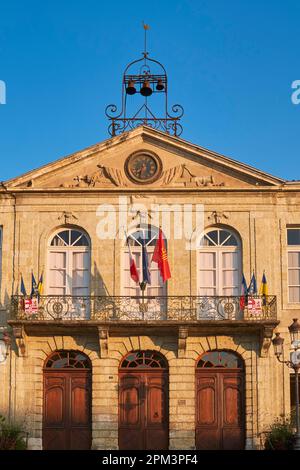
(143, 167)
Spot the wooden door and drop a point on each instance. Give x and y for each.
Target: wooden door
(67, 410)
(220, 409)
(143, 410)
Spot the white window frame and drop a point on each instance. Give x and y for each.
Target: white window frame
(292, 249)
(69, 250)
(218, 250)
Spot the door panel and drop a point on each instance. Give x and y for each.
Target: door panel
(130, 412)
(143, 416)
(67, 410)
(207, 430)
(54, 436)
(233, 427)
(156, 422)
(220, 409)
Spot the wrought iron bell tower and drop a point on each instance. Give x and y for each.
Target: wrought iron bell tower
(143, 80)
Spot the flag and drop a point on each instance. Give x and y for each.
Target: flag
(133, 270)
(264, 289)
(145, 263)
(33, 286)
(252, 289)
(161, 258)
(40, 286)
(244, 294)
(22, 287)
(264, 286)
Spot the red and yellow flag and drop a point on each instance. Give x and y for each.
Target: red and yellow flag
(161, 258)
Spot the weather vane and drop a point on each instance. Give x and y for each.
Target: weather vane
(139, 83)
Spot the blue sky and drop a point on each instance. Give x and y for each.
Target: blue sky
(230, 63)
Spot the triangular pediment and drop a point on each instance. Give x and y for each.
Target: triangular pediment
(182, 166)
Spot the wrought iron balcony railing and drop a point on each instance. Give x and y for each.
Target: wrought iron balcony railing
(148, 308)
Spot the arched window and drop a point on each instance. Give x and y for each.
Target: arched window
(68, 360)
(149, 234)
(219, 263)
(220, 359)
(69, 263)
(144, 360)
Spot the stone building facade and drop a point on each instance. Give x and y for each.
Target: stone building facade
(91, 310)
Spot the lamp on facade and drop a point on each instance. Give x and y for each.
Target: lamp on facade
(5, 343)
(293, 363)
(294, 330)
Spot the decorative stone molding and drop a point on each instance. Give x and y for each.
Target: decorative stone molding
(217, 216)
(181, 176)
(265, 340)
(103, 177)
(183, 333)
(20, 337)
(103, 335)
(67, 216)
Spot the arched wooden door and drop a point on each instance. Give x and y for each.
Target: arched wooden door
(220, 398)
(143, 402)
(67, 401)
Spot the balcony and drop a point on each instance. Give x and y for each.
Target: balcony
(179, 316)
(113, 309)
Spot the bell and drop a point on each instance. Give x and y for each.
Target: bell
(130, 90)
(160, 86)
(146, 89)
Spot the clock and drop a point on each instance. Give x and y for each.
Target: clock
(143, 167)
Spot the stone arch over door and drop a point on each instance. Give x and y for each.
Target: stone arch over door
(220, 401)
(143, 401)
(67, 394)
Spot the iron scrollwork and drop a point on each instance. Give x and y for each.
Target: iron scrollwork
(136, 74)
(148, 308)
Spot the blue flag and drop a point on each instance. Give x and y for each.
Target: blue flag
(145, 262)
(34, 288)
(244, 286)
(252, 289)
(22, 287)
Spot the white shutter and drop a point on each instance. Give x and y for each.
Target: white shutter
(57, 273)
(80, 273)
(207, 273)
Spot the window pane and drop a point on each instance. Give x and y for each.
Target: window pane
(207, 291)
(223, 236)
(65, 235)
(231, 241)
(229, 260)
(78, 239)
(294, 294)
(207, 260)
(80, 260)
(80, 278)
(230, 278)
(294, 277)
(213, 235)
(293, 236)
(207, 278)
(57, 260)
(57, 241)
(294, 259)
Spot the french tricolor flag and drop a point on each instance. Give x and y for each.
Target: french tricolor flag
(133, 270)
